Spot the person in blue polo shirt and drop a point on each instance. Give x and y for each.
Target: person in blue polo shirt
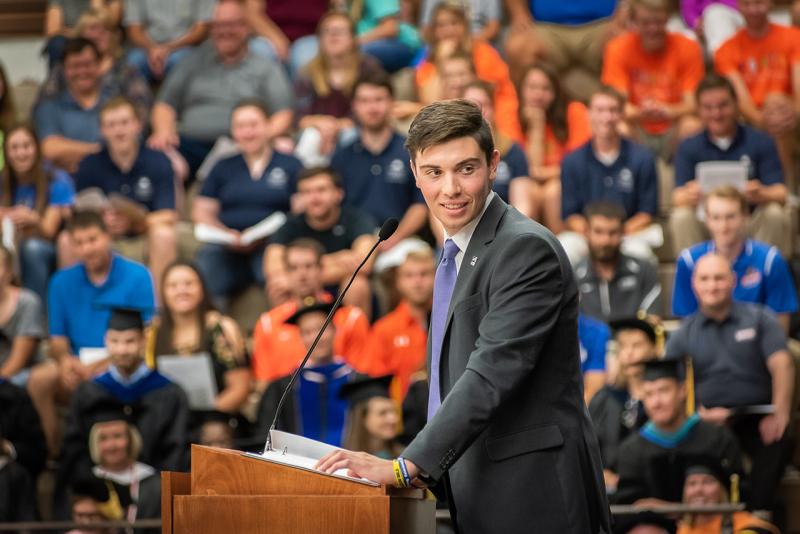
(593, 336)
(375, 166)
(613, 169)
(762, 275)
(725, 139)
(80, 299)
(239, 192)
(126, 167)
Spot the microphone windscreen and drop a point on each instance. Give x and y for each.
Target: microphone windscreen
(389, 227)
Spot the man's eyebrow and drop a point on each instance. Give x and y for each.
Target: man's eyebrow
(461, 163)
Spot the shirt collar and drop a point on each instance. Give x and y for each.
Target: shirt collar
(463, 236)
(737, 135)
(141, 372)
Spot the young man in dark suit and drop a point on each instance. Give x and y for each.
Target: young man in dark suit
(508, 433)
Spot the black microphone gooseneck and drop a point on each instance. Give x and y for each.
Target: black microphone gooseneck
(389, 227)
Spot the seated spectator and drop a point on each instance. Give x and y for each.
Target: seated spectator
(68, 123)
(324, 88)
(449, 32)
(612, 283)
(593, 337)
(740, 359)
(277, 344)
(114, 447)
(36, 197)
(22, 454)
(345, 233)
(511, 181)
(154, 405)
(762, 275)
(62, 18)
(8, 110)
(125, 167)
(97, 26)
(761, 62)
(161, 34)
(552, 129)
(189, 325)
(78, 302)
(22, 325)
(240, 192)
(217, 431)
(415, 407)
(383, 34)
(398, 341)
(374, 167)
(616, 409)
(315, 409)
(712, 21)
(707, 483)
(194, 105)
(94, 501)
(568, 35)
(614, 169)
(484, 16)
(373, 422)
(649, 460)
(725, 139)
(287, 28)
(657, 71)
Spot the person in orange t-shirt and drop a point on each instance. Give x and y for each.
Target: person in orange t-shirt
(278, 347)
(658, 72)
(762, 61)
(450, 32)
(553, 128)
(399, 340)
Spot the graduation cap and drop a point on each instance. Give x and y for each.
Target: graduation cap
(125, 319)
(112, 498)
(364, 388)
(310, 307)
(109, 409)
(657, 369)
(635, 323)
(717, 468)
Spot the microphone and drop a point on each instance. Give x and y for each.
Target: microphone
(387, 230)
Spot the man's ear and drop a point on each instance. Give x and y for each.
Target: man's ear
(494, 161)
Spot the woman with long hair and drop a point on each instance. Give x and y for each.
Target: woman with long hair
(553, 127)
(36, 199)
(373, 419)
(189, 325)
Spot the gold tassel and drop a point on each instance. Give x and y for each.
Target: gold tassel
(690, 402)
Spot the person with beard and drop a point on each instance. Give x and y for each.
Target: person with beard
(374, 167)
(346, 234)
(614, 285)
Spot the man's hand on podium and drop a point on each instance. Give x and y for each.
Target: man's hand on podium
(361, 464)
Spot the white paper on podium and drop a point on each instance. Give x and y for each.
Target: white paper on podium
(303, 453)
(195, 375)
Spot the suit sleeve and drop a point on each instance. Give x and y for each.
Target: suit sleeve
(525, 299)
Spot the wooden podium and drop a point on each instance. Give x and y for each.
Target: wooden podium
(227, 492)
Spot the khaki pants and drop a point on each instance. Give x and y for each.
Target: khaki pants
(770, 223)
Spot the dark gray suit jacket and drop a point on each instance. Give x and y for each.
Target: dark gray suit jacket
(513, 433)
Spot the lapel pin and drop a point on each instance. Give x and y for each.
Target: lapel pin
(474, 260)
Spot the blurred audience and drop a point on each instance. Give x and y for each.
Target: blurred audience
(382, 32)
(485, 16)
(62, 19)
(8, 109)
(593, 338)
(373, 419)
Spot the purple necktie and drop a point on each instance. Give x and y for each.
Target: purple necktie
(443, 286)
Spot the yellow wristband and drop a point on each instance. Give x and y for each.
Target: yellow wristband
(398, 474)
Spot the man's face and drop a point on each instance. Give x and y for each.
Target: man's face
(604, 237)
(455, 180)
(82, 71)
(125, 348)
(415, 281)
(309, 325)
(755, 12)
(456, 74)
(93, 247)
(229, 30)
(605, 113)
(304, 271)
(663, 400)
(320, 196)
(634, 348)
(700, 489)
(372, 106)
(725, 221)
(120, 127)
(652, 27)
(713, 282)
(717, 110)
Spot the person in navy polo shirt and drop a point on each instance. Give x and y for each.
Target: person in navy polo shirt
(725, 139)
(79, 303)
(609, 168)
(239, 192)
(762, 275)
(375, 166)
(125, 166)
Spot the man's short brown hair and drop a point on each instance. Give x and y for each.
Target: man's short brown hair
(444, 121)
(306, 243)
(116, 103)
(607, 90)
(728, 192)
